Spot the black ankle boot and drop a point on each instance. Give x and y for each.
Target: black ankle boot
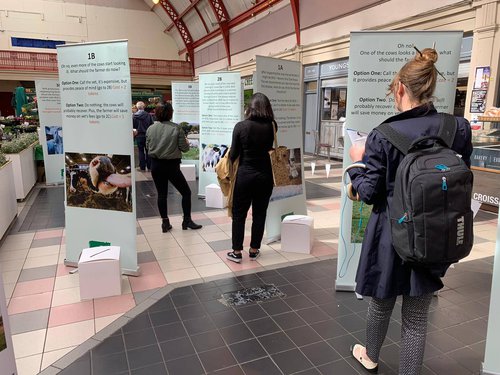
(165, 225)
(188, 223)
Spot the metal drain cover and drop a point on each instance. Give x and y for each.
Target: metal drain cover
(249, 295)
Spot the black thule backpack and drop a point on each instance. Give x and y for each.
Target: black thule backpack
(430, 212)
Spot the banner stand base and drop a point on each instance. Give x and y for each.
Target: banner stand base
(486, 372)
(272, 239)
(126, 272)
(344, 287)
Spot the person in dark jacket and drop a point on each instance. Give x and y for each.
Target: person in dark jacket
(142, 121)
(381, 273)
(252, 140)
(165, 141)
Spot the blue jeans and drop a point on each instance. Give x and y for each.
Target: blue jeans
(144, 159)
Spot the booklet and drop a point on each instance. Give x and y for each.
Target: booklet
(356, 136)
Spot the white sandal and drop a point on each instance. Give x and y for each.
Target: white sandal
(356, 351)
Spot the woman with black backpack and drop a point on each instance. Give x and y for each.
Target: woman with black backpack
(382, 274)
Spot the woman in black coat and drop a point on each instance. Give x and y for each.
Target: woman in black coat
(381, 273)
(252, 140)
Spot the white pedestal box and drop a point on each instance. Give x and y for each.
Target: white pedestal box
(297, 234)
(8, 203)
(214, 197)
(189, 171)
(100, 273)
(24, 167)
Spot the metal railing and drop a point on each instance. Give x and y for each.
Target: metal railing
(47, 62)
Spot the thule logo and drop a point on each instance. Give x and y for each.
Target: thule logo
(460, 230)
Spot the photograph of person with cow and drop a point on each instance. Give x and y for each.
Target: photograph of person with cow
(99, 181)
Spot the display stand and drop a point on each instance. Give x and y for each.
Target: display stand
(375, 57)
(491, 364)
(100, 202)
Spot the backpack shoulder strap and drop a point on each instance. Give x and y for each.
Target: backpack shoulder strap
(398, 140)
(448, 128)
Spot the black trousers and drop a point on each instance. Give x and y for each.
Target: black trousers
(163, 171)
(253, 188)
(144, 159)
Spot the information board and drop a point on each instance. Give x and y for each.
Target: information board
(99, 159)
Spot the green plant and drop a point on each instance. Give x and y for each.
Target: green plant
(18, 144)
(3, 159)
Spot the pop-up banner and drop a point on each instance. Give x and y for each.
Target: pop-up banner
(220, 110)
(280, 81)
(491, 364)
(98, 149)
(186, 103)
(51, 133)
(374, 59)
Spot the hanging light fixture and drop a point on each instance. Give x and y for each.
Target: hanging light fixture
(156, 1)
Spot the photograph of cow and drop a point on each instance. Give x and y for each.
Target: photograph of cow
(210, 156)
(99, 181)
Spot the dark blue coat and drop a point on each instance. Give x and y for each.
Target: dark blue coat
(381, 273)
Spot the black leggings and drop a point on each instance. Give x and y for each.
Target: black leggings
(163, 171)
(254, 189)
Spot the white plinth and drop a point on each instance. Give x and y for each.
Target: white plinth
(214, 197)
(297, 234)
(24, 166)
(189, 171)
(8, 204)
(100, 274)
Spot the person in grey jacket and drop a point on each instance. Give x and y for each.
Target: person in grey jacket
(165, 141)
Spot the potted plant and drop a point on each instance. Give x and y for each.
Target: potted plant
(8, 205)
(20, 151)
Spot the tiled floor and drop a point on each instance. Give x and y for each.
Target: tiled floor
(308, 331)
(50, 323)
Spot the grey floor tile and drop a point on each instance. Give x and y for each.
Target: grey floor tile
(140, 297)
(217, 359)
(261, 366)
(37, 273)
(220, 245)
(28, 321)
(246, 351)
(144, 356)
(45, 242)
(157, 369)
(177, 348)
(185, 366)
(145, 257)
(291, 361)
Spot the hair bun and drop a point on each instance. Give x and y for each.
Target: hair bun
(427, 54)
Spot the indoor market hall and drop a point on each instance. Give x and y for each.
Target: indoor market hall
(249, 187)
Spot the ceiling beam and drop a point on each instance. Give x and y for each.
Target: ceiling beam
(295, 5)
(181, 27)
(186, 11)
(252, 12)
(222, 16)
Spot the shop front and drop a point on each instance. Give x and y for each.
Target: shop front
(325, 107)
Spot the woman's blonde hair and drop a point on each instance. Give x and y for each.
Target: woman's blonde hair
(419, 75)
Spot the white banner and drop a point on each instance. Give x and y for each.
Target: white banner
(374, 59)
(186, 103)
(280, 80)
(220, 110)
(51, 132)
(7, 358)
(99, 174)
(491, 364)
